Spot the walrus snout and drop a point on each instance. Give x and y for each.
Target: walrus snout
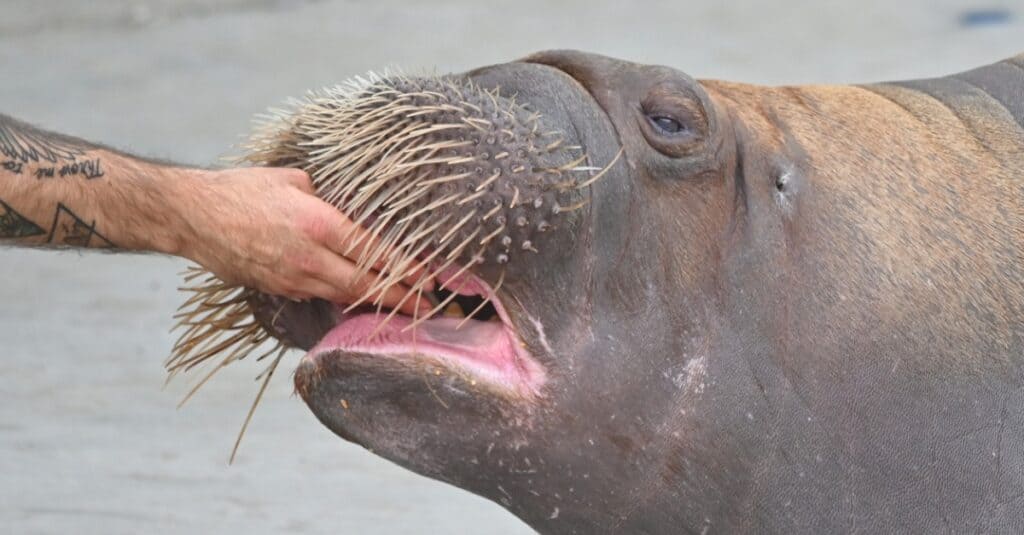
(498, 176)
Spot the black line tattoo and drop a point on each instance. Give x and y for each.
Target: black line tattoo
(15, 225)
(23, 143)
(12, 166)
(71, 230)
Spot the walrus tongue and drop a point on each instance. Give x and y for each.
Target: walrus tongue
(489, 350)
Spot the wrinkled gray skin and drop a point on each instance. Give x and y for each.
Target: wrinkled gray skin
(801, 313)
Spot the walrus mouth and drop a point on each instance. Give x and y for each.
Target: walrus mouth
(474, 334)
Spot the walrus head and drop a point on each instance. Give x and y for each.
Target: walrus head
(554, 219)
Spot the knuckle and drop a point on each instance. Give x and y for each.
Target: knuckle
(306, 264)
(316, 227)
(359, 285)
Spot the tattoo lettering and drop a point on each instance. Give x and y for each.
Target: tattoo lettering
(15, 225)
(69, 229)
(88, 168)
(26, 144)
(56, 155)
(12, 166)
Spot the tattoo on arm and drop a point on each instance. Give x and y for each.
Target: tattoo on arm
(67, 228)
(15, 225)
(20, 142)
(73, 231)
(51, 155)
(45, 156)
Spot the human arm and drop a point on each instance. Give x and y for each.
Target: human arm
(261, 227)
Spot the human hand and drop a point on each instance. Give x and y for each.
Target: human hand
(264, 228)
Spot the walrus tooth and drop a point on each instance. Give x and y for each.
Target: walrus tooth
(454, 310)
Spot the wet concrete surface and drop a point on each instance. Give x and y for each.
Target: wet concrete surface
(90, 442)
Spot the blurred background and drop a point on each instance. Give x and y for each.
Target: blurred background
(91, 442)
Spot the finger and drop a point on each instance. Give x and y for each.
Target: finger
(298, 294)
(319, 289)
(342, 274)
(399, 297)
(346, 238)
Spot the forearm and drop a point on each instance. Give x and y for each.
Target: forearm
(260, 227)
(60, 191)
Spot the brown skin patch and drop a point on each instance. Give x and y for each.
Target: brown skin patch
(916, 198)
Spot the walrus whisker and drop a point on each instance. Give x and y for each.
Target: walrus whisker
(571, 207)
(487, 299)
(492, 235)
(470, 198)
(416, 290)
(402, 269)
(495, 209)
(454, 228)
(488, 181)
(568, 166)
(195, 388)
(443, 179)
(598, 176)
(430, 387)
(259, 396)
(454, 253)
(444, 303)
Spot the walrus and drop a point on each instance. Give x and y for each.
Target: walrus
(778, 309)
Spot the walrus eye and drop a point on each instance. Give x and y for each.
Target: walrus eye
(666, 124)
(672, 119)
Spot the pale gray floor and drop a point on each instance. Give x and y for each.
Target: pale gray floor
(90, 443)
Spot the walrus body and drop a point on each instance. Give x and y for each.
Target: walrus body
(792, 309)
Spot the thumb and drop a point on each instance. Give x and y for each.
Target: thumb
(298, 178)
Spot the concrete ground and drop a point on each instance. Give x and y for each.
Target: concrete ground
(91, 443)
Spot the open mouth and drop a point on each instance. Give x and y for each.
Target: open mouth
(473, 335)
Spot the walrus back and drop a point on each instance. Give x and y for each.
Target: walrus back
(1003, 81)
(994, 91)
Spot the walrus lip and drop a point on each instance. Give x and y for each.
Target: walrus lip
(487, 350)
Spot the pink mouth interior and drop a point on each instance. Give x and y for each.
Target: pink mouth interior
(489, 350)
